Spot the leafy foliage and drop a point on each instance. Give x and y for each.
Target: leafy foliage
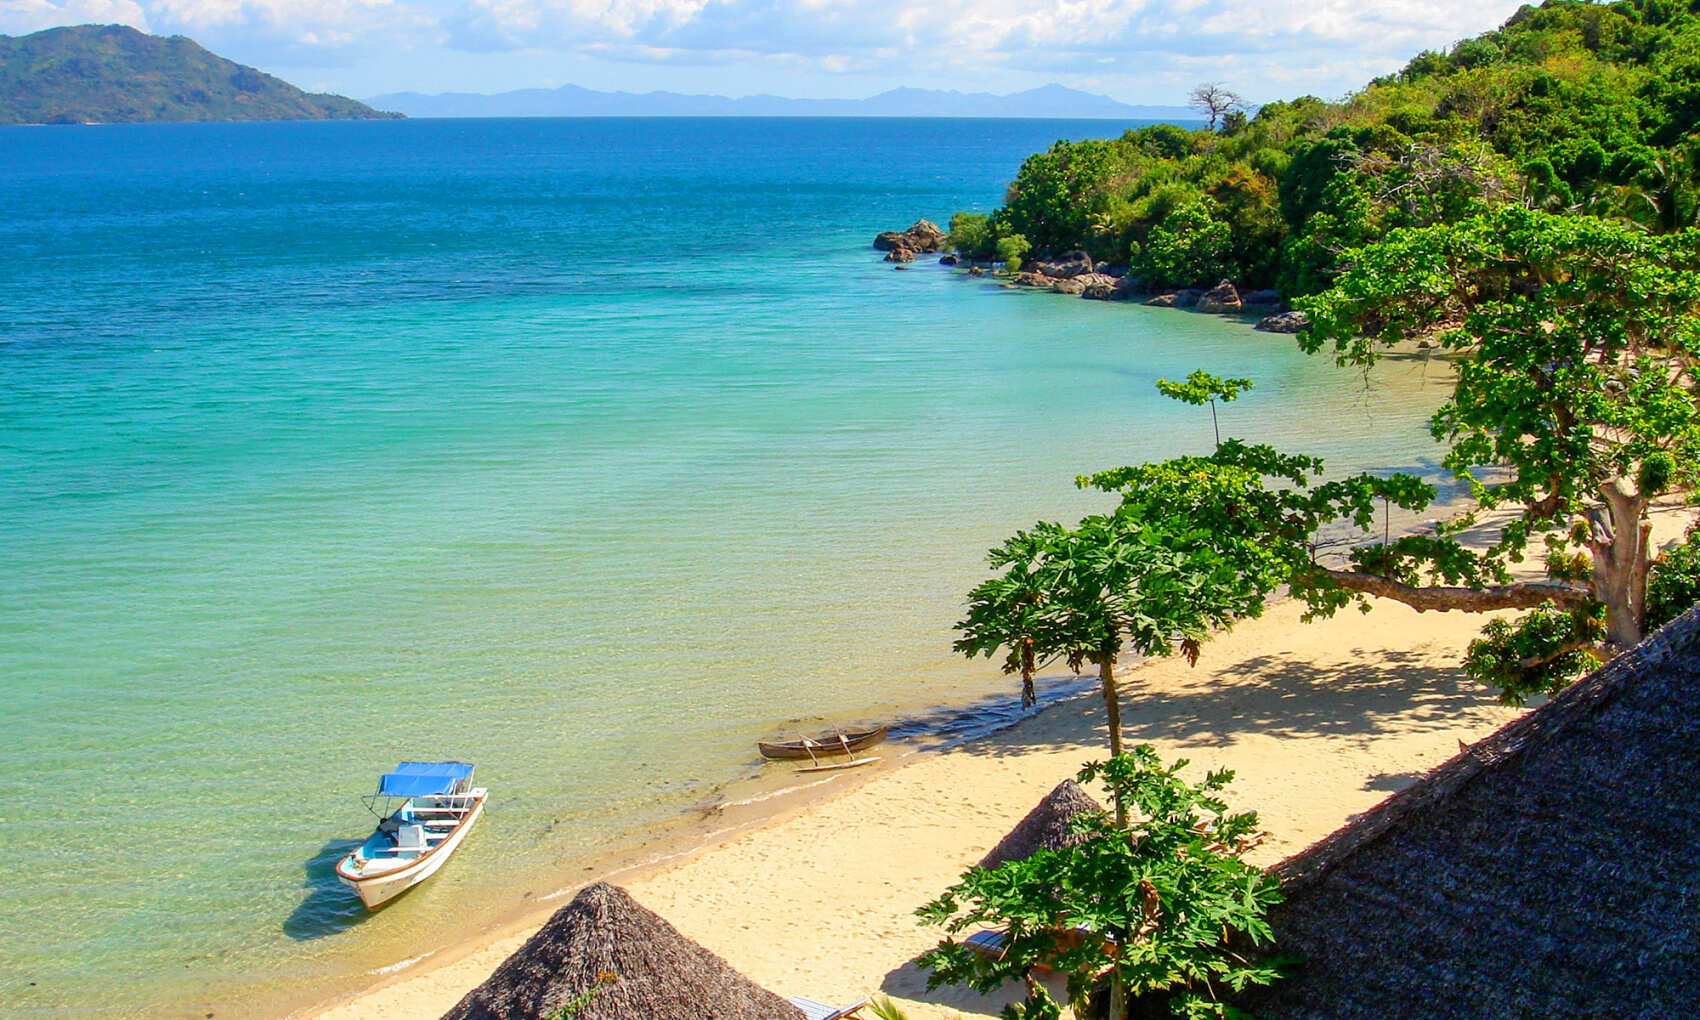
(114, 74)
(1203, 388)
(1010, 249)
(1576, 338)
(1196, 544)
(1162, 906)
(970, 236)
(1187, 248)
(1538, 653)
(884, 1008)
(1574, 106)
(1087, 594)
(1673, 586)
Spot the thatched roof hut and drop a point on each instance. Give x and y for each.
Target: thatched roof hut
(1046, 827)
(1551, 870)
(657, 973)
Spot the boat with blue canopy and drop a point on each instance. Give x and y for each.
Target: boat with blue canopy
(428, 807)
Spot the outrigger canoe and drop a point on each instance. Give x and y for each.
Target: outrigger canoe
(438, 806)
(814, 748)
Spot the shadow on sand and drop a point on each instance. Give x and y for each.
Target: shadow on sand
(1277, 695)
(1361, 693)
(910, 982)
(330, 906)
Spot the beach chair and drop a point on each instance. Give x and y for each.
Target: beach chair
(813, 1010)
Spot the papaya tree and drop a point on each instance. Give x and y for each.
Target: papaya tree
(1160, 909)
(1112, 584)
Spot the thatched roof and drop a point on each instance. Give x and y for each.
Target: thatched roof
(658, 973)
(1551, 870)
(1046, 827)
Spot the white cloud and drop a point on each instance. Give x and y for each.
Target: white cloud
(1042, 36)
(328, 23)
(20, 17)
(1140, 49)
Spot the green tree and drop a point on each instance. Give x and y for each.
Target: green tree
(1010, 250)
(1576, 339)
(1189, 247)
(1673, 583)
(970, 235)
(1137, 579)
(1163, 905)
(1201, 387)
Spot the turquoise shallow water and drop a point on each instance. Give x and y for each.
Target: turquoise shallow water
(589, 451)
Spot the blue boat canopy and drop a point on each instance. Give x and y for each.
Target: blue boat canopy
(423, 778)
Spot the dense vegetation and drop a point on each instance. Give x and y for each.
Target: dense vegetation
(1159, 909)
(113, 74)
(1572, 106)
(1526, 203)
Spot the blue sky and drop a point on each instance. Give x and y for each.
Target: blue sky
(1138, 51)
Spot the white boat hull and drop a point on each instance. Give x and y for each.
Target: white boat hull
(377, 888)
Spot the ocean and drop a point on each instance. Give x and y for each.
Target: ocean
(589, 451)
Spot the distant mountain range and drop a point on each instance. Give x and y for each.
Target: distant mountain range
(1048, 101)
(104, 74)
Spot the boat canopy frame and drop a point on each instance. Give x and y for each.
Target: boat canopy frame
(420, 779)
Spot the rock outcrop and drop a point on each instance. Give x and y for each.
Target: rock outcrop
(1103, 287)
(1096, 286)
(1185, 298)
(1066, 266)
(1220, 298)
(1285, 322)
(924, 236)
(900, 255)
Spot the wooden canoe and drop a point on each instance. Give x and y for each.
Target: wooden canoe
(848, 742)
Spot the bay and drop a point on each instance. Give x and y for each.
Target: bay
(589, 451)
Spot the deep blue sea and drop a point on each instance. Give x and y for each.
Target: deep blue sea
(589, 451)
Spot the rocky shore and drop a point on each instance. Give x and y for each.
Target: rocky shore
(1075, 273)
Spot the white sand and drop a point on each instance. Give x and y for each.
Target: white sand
(1319, 721)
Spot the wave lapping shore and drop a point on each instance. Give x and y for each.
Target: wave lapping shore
(1319, 722)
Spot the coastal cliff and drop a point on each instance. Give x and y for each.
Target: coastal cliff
(114, 74)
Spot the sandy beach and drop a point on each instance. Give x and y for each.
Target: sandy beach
(1319, 722)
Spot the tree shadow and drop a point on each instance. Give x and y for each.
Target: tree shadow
(1391, 782)
(330, 906)
(1278, 694)
(910, 982)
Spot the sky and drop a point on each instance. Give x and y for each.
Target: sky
(1137, 51)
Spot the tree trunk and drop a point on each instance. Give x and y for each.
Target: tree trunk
(1113, 717)
(1112, 702)
(1029, 697)
(1619, 544)
(1118, 997)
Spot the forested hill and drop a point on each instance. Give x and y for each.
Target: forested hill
(1590, 108)
(112, 74)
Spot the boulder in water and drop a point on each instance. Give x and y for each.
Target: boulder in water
(1286, 322)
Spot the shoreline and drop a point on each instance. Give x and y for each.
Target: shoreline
(746, 803)
(1315, 747)
(749, 805)
(811, 890)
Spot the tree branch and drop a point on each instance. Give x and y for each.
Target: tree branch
(1525, 595)
(1591, 647)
